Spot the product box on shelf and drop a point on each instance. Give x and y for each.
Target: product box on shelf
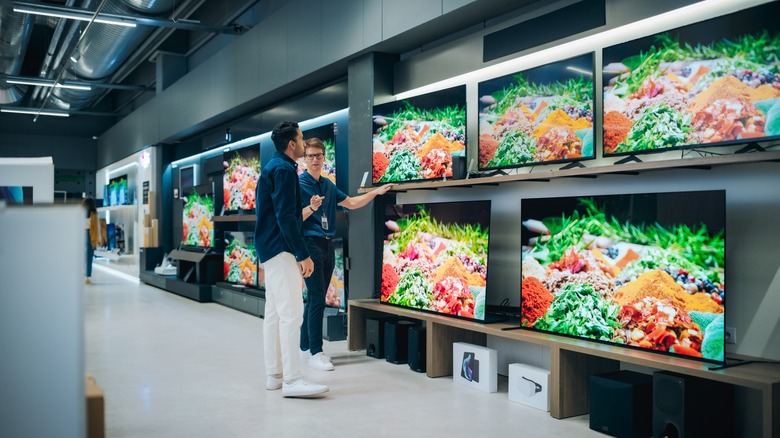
(96, 424)
(529, 385)
(475, 366)
(152, 204)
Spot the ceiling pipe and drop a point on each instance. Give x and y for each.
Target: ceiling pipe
(15, 31)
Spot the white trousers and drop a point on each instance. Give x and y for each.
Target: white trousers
(283, 316)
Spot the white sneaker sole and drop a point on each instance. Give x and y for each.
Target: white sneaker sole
(304, 394)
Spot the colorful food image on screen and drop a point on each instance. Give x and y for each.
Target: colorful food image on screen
(336, 296)
(327, 135)
(198, 217)
(435, 256)
(640, 270)
(242, 170)
(712, 83)
(416, 138)
(240, 260)
(541, 115)
(117, 191)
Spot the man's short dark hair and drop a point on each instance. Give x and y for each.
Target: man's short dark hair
(283, 133)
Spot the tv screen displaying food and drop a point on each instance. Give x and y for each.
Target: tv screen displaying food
(198, 216)
(240, 260)
(639, 270)
(435, 257)
(538, 116)
(416, 138)
(328, 136)
(239, 181)
(713, 83)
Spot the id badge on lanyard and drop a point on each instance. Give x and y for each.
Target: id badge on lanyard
(324, 222)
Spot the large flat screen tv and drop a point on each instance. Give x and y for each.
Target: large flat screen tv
(242, 170)
(640, 270)
(538, 116)
(240, 262)
(198, 216)
(327, 134)
(713, 83)
(118, 191)
(435, 257)
(416, 138)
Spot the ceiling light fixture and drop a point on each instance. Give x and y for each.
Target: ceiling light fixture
(33, 112)
(86, 16)
(47, 83)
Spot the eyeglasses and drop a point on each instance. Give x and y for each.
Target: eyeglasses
(315, 156)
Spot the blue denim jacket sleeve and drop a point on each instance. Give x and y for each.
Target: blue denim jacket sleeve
(286, 197)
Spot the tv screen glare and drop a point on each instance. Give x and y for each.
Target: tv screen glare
(713, 83)
(327, 134)
(541, 115)
(239, 181)
(416, 138)
(639, 270)
(240, 261)
(435, 257)
(198, 216)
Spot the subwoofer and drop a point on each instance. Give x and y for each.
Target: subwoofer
(375, 336)
(397, 340)
(621, 404)
(416, 356)
(691, 407)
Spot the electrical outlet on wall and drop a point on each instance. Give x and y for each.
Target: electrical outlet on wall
(731, 335)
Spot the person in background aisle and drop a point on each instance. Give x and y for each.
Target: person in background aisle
(283, 254)
(93, 234)
(319, 227)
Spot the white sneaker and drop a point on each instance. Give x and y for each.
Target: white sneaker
(302, 388)
(321, 362)
(305, 355)
(273, 383)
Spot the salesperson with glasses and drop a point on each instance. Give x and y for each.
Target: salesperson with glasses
(320, 197)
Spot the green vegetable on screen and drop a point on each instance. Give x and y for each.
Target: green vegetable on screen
(580, 311)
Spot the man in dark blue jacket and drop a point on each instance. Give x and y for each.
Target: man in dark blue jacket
(283, 254)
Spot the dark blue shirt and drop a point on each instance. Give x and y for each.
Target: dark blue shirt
(279, 226)
(312, 226)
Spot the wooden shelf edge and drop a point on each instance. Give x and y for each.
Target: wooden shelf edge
(604, 169)
(236, 218)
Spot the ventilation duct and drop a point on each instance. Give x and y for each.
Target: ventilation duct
(15, 31)
(103, 49)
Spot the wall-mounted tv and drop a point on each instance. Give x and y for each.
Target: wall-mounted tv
(198, 216)
(242, 170)
(435, 257)
(16, 194)
(118, 191)
(240, 260)
(327, 134)
(416, 138)
(713, 83)
(541, 115)
(640, 270)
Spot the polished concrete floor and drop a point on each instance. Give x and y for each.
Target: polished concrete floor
(172, 367)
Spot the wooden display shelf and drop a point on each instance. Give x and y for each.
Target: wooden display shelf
(572, 361)
(117, 207)
(236, 218)
(602, 169)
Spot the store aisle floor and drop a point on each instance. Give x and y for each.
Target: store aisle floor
(172, 367)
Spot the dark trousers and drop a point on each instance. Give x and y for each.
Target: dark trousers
(90, 256)
(323, 255)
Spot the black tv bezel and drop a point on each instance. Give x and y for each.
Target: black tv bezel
(708, 26)
(231, 153)
(380, 259)
(213, 215)
(396, 104)
(485, 83)
(722, 193)
(225, 238)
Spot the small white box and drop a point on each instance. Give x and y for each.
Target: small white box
(475, 366)
(529, 385)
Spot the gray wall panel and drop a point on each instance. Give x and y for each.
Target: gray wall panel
(273, 52)
(304, 37)
(342, 29)
(372, 22)
(247, 83)
(401, 15)
(67, 152)
(223, 69)
(451, 5)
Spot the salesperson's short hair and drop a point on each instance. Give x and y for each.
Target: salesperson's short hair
(316, 143)
(283, 133)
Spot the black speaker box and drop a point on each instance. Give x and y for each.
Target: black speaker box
(375, 336)
(691, 407)
(397, 340)
(621, 404)
(417, 348)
